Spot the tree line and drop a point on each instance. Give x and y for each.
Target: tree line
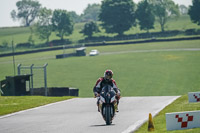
(116, 16)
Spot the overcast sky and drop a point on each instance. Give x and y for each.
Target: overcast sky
(6, 6)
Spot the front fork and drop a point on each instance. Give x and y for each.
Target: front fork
(102, 109)
(100, 104)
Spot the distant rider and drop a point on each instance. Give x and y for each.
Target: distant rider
(106, 80)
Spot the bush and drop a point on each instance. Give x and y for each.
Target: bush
(190, 32)
(198, 31)
(4, 45)
(60, 42)
(24, 45)
(132, 36)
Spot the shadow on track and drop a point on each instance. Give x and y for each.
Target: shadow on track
(102, 125)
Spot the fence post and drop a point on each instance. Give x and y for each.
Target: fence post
(18, 69)
(1, 92)
(31, 69)
(45, 78)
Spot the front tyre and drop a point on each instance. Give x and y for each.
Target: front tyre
(108, 115)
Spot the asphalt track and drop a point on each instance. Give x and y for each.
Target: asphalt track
(80, 115)
(109, 53)
(153, 50)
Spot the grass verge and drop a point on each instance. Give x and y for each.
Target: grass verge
(180, 105)
(11, 104)
(164, 73)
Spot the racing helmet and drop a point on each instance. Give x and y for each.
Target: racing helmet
(108, 74)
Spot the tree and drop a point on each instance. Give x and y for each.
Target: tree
(30, 39)
(144, 14)
(164, 9)
(91, 13)
(90, 28)
(62, 23)
(43, 26)
(27, 11)
(75, 17)
(183, 9)
(117, 16)
(194, 11)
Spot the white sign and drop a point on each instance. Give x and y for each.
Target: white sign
(194, 96)
(183, 120)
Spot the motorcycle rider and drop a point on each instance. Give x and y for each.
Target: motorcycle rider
(106, 80)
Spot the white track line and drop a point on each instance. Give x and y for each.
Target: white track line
(139, 123)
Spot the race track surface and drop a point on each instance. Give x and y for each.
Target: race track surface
(80, 115)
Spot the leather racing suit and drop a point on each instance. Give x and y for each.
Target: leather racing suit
(101, 82)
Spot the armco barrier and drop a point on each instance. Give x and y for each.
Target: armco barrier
(183, 120)
(194, 97)
(60, 56)
(56, 91)
(143, 41)
(73, 92)
(32, 51)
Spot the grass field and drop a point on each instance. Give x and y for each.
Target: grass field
(16, 103)
(180, 105)
(137, 74)
(21, 34)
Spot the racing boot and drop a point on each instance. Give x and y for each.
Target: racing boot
(117, 110)
(98, 106)
(98, 99)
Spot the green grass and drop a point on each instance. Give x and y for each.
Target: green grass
(180, 105)
(21, 34)
(10, 104)
(137, 74)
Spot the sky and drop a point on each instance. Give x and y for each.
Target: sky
(6, 6)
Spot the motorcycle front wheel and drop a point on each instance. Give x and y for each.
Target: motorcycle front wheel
(108, 115)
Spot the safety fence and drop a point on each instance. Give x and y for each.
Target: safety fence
(38, 76)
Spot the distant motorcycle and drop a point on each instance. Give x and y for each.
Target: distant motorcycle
(108, 104)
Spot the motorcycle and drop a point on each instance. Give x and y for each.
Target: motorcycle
(108, 104)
